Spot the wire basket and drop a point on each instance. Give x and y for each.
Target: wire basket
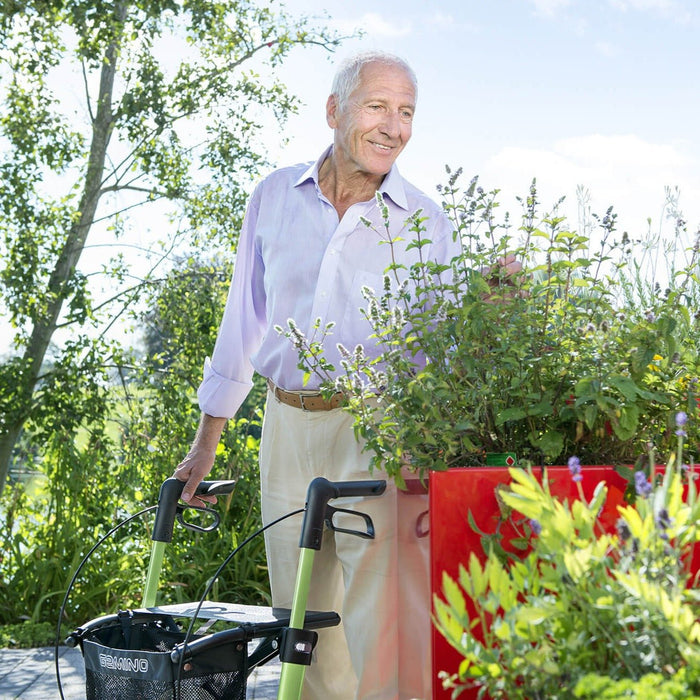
(130, 660)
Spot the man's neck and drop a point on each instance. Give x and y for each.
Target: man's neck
(345, 189)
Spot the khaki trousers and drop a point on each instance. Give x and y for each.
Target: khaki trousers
(380, 587)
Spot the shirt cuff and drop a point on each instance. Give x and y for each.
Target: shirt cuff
(220, 396)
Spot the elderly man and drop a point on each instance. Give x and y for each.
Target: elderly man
(305, 252)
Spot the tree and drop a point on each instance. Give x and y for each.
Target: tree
(99, 477)
(179, 135)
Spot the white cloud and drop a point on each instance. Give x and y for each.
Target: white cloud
(676, 9)
(619, 170)
(605, 48)
(440, 19)
(549, 7)
(449, 23)
(374, 25)
(624, 150)
(642, 5)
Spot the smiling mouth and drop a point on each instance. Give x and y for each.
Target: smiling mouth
(381, 146)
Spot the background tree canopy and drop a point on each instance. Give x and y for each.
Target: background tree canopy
(113, 112)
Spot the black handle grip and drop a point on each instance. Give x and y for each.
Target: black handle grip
(319, 493)
(170, 492)
(370, 487)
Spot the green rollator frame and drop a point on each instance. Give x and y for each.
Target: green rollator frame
(288, 633)
(297, 642)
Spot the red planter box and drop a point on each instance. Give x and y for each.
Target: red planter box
(457, 492)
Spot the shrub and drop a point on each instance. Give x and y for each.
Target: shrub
(584, 352)
(618, 605)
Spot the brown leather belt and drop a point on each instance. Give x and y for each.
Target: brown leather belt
(305, 401)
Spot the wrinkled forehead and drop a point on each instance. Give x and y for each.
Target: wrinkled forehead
(354, 76)
(386, 79)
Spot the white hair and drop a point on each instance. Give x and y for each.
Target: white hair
(347, 77)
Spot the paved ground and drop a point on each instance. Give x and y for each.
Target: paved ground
(30, 674)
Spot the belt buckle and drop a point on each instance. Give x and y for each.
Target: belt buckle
(302, 404)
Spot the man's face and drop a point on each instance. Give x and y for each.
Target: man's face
(375, 125)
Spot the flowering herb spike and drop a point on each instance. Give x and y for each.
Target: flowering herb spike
(681, 420)
(641, 484)
(575, 469)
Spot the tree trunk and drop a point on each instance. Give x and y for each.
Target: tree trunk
(58, 289)
(7, 443)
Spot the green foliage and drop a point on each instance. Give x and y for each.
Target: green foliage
(652, 686)
(92, 476)
(171, 99)
(166, 116)
(181, 331)
(27, 635)
(580, 353)
(52, 521)
(582, 601)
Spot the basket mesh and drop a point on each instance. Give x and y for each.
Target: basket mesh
(133, 663)
(222, 686)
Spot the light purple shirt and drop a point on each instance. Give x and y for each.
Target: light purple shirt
(295, 260)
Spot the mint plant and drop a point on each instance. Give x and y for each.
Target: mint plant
(582, 353)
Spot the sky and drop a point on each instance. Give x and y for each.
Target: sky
(598, 93)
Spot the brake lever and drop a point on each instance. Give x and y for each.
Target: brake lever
(368, 533)
(216, 518)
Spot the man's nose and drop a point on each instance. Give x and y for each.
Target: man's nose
(391, 124)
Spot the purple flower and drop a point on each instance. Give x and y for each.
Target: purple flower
(575, 468)
(641, 484)
(663, 519)
(623, 530)
(535, 526)
(681, 420)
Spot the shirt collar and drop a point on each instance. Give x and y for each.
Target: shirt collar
(392, 185)
(311, 173)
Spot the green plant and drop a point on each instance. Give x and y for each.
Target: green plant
(582, 353)
(653, 686)
(105, 462)
(178, 133)
(583, 601)
(51, 522)
(27, 635)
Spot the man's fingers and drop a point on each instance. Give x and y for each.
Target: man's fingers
(197, 464)
(188, 492)
(190, 488)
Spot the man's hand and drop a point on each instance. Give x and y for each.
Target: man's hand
(504, 273)
(195, 467)
(200, 459)
(506, 269)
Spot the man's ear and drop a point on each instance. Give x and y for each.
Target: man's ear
(332, 111)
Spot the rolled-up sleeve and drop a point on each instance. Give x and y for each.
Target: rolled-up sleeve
(220, 396)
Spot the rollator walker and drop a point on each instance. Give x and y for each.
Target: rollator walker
(154, 652)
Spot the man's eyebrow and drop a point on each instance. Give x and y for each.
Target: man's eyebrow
(384, 100)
